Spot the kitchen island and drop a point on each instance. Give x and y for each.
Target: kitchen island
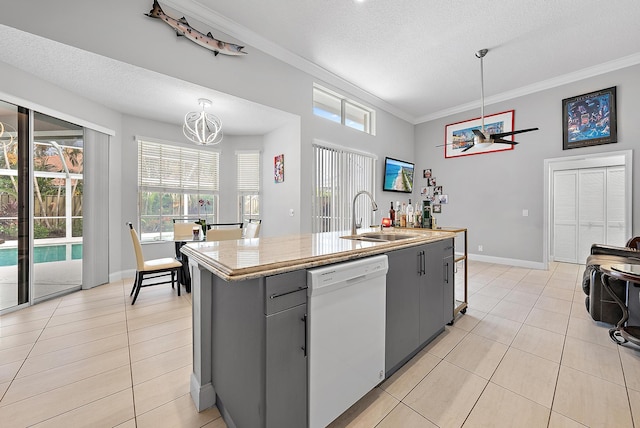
(250, 314)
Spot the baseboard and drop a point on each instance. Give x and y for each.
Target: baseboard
(117, 276)
(505, 261)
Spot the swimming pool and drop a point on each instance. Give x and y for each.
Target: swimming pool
(42, 254)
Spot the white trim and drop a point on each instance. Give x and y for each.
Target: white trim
(246, 36)
(506, 261)
(623, 157)
(326, 144)
(54, 113)
(138, 138)
(554, 82)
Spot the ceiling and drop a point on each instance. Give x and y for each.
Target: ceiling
(415, 58)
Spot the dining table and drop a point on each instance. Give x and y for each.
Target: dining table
(179, 242)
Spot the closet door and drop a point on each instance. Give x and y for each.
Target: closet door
(616, 225)
(592, 210)
(565, 216)
(588, 208)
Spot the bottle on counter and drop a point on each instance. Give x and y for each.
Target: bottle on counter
(403, 215)
(392, 215)
(396, 223)
(410, 215)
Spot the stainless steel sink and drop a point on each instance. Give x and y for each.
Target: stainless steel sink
(389, 236)
(380, 237)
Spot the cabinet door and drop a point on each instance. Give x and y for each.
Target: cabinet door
(448, 291)
(402, 314)
(431, 291)
(286, 368)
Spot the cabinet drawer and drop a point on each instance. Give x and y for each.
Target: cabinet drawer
(285, 291)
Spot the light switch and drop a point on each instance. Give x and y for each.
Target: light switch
(525, 213)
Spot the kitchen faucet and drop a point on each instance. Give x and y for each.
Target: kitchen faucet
(374, 207)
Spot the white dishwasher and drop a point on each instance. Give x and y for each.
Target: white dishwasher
(346, 334)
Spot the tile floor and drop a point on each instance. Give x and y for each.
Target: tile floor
(525, 354)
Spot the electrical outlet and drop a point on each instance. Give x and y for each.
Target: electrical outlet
(480, 248)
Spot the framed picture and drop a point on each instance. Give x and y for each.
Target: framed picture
(437, 190)
(278, 169)
(431, 182)
(444, 199)
(426, 173)
(459, 136)
(437, 208)
(424, 191)
(589, 119)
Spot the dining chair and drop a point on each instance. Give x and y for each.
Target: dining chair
(150, 269)
(184, 230)
(252, 229)
(224, 234)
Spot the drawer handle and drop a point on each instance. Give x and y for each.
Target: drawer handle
(273, 296)
(304, 348)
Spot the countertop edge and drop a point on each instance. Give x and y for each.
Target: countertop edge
(259, 271)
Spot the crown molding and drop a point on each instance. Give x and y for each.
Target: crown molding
(585, 73)
(246, 36)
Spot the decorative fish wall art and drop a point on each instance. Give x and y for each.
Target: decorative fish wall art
(182, 28)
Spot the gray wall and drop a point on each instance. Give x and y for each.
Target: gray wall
(488, 192)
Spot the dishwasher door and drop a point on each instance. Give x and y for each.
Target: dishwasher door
(346, 334)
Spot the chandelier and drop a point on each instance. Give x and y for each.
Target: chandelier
(201, 127)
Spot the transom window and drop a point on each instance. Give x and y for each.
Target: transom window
(336, 108)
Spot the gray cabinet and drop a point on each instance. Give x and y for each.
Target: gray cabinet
(403, 307)
(259, 365)
(419, 299)
(431, 285)
(286, 362)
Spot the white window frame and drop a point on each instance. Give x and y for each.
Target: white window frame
(248, 183)
(338, 175)
(197, 172)
(368, 126)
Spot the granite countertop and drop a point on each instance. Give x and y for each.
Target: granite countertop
(253, 258)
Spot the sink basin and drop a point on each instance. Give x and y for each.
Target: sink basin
(380, 237)
(389, 236)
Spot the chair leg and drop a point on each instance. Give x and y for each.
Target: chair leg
(135, 282)
(138, 285)
(173, 280)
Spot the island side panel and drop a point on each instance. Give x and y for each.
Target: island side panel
(238, 352)
(200, 387)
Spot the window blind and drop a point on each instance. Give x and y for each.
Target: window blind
(248, 171)
(168, 168)
(338, 175)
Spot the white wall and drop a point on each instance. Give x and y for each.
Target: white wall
(278, 199)
(121, 31)
(488, 192)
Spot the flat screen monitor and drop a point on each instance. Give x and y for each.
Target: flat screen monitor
(398, 176)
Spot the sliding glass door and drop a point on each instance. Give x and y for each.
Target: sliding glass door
(41, 194)
(57, 206)
(11, 294)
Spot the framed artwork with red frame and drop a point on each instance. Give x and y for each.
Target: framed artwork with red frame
(459, 136)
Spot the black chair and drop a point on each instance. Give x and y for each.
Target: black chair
(150, 269)
(599, 302)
